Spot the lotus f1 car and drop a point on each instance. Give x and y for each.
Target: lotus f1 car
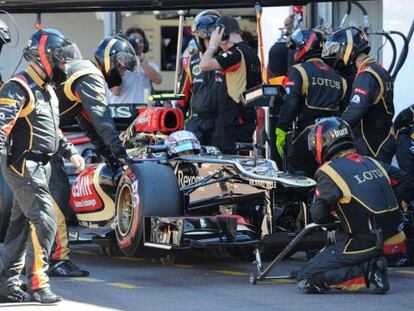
(193, 201)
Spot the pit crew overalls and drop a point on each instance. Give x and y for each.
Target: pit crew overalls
(241, 69)
(358, 190)
(82, 97)
(201, 90)
(404, 131)
(314, 90)
(29, 136)
(371, 110)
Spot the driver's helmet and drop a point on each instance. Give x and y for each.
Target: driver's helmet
(182, 143)
(329, 136)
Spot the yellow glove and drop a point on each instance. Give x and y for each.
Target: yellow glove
(280, 141)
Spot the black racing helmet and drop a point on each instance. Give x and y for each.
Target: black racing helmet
(329, 136)
(306, 43)
(344, 46)
(113, 53)
(203, 26)
(49, 48)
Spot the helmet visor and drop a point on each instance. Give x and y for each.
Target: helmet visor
(126, 60)
(331, 49)
(72, 52)
(312, 139)
(295, 38)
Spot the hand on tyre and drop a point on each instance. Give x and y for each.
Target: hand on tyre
(78, 162)
(280, 141)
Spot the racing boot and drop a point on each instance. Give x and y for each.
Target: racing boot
(45, 295)
(307, 287)
(378, 276)
(65, 268)
(15, 295)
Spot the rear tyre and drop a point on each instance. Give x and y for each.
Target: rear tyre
(145, 189)
(6, 202)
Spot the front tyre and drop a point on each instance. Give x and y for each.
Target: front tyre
(145, 189)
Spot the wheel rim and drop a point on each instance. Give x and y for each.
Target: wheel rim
(125, 210)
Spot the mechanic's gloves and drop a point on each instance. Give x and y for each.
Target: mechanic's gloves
(280, 141)
(124, 159)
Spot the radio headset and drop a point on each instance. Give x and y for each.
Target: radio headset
(220, 24)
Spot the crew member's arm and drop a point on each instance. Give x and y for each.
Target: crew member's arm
(327, 195)
(91, 92)
(404, 120)
(152, 73)
(293, 97)
(208, 62)
(402, 183)
(12, 100)
(100, 147)
(364, 91)
(185, 85)
(68, 151)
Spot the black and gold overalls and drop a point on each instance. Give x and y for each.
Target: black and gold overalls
(358, 190)
(202, 91)
(82, 100)
(371, 110)
(314, 90)
(29, 136)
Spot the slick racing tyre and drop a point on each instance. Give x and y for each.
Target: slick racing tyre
(6, 202)
(145, 189)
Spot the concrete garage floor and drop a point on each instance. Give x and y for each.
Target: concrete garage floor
(203, 282)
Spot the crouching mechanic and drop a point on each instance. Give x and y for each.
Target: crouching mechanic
(358, 190)
(29, 136)
(82, 97)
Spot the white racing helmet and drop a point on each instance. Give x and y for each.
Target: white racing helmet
(182, 142)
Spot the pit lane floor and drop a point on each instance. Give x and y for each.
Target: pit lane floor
(200, 281)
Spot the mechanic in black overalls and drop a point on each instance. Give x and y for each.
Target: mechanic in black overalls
(404, 131)
(4, 39)
(314, 90)
(29, 136)
(82, 97)
(241, 69)
(371, 108)
(202, 89)
(357, 189)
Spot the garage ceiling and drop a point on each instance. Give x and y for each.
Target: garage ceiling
(49, 6)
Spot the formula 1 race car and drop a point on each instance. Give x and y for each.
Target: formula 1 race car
(192, 201)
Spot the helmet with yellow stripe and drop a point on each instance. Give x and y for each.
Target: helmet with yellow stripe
(344, 46)
(113, 55)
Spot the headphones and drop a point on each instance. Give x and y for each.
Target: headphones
(134, 42)
(226, 34)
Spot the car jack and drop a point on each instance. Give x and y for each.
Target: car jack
(262, 274)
